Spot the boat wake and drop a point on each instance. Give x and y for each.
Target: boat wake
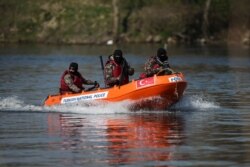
(195, 103)
(187, 103)
(15, 104)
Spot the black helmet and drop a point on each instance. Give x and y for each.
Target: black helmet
(118, 56)
(73, 66)
(162, 54)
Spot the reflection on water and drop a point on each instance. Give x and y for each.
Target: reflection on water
(210, 128)
(143, 138)
(126, 138)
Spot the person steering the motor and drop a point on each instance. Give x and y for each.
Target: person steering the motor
(157, 64)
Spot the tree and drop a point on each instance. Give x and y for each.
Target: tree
(115, 20)
(205, 19)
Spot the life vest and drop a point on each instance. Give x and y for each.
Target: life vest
(156, 66)
(144, 75)
(77, 80)
(117, 71)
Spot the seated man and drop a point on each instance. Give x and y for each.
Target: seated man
(117, 70)
(72, 81)
(157, 64)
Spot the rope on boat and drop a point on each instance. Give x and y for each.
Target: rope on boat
(176, 87)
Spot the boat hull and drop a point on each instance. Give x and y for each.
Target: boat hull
(157, 92)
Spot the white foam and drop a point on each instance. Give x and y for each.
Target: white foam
(14, 104)
(99, 107)
(95, 107)
(196, 102)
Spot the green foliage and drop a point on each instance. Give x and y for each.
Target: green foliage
(89, 20)
(134, 4)
(219, 15)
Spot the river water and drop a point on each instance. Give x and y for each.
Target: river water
(210, 126)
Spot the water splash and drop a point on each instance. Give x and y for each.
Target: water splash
(97, 107)
(196, 102)
(15, 104)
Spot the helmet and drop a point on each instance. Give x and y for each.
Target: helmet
(73, 67)
(118, 56)
(162, 55)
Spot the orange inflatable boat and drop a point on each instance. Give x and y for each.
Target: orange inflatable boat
(157, 93)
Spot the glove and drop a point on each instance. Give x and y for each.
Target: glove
(131, 71)
(97, 85)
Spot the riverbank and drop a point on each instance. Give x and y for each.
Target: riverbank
(117, 21)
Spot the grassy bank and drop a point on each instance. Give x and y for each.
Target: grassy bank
(92, 21)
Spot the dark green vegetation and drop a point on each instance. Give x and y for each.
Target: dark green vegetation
(97, 21)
